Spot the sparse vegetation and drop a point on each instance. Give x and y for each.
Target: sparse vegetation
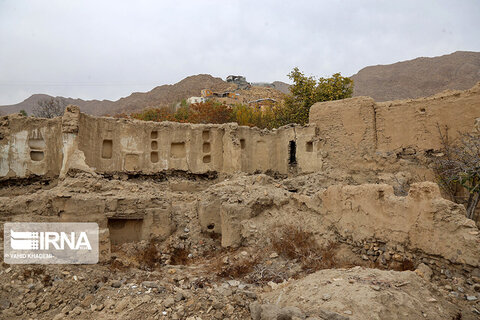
(50, 108)
(459, 166)
(207, 112)
(293, 242)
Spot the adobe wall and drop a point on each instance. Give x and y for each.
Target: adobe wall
(361, 134)
(347, 129)
(107, 145)
(422, 221)
(413, 123)
(30, 146)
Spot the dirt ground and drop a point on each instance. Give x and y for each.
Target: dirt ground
(281, 268)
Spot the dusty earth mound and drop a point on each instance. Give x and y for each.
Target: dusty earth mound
(359, 293)
(419, 77)
(230, 241)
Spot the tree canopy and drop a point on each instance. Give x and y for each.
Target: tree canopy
(306, 91)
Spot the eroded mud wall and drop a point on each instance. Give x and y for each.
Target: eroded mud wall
(360, 134)
(30, 146)
(416, 123)
(107, 145)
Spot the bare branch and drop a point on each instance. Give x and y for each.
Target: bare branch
(51, 108)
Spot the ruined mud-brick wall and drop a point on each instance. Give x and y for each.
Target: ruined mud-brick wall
(32, 146)
(359, 133)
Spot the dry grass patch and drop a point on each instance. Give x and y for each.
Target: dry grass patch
(293, 242)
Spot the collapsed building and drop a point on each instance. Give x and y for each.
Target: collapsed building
(240, 81)
(358, 136)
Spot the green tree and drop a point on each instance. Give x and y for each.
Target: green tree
(306, 91)
(23, 113)
(246, 115)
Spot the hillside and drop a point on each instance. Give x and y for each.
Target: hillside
(419, 77)
(164, 95)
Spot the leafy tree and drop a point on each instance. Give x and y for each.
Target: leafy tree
(209, 112)
(206, 112)
(460, 166)
(306, 91)
(253, 117)
(154, 114)
(49, 108)
(23, 113)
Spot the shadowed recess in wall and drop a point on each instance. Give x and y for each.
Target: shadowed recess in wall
(124, 230)
(292, 151)
(37, 147)
(177, 150)
(107, 149)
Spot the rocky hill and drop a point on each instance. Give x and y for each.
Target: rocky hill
(419, 77)
(159, 96)
(415, 78)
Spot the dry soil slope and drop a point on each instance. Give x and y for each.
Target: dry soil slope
(419, 77)
(163, 95)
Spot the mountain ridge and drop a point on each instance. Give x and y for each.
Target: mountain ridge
(409, 79)
(419, 77)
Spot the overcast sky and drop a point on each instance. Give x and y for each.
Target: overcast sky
(108, 49)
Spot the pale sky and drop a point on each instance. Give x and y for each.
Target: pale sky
(109, 49)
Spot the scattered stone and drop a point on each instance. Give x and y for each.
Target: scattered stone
(77, 310)
(45, 306)
(116, 284)
(471, 298)
(150, 284)
(233, 283)
(424, 271)
(326, 297)
(120, 306)
(5, 304)
(31, 305)
(167, 303)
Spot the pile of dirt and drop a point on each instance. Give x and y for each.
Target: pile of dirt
(285, 259)
(419, 77)
(360, 293)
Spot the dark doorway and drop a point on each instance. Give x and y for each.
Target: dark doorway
(124, 230)
(292, 152)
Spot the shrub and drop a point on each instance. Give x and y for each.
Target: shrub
(154, 114)
(295, 243)
(460, 166)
